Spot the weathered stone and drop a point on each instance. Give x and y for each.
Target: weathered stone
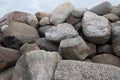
(47, 45)
(8, 57)
(13, 16)
(72, 20)
(112, 17)
(18, 33)
(96, 28)
(74, 48)
(117, 23)
(116, 10)
(43, 29)
(104, 49)
(77, 70)
(28, 48)
(116, 40)
(3, 28)
(103, 8)
(32, 20)
(7, 74)
(92, 50)
(79, 12)
(60, 14)
(44, 21)
(36, 65)
(107, 59)
(78, 26)
(40, 15)
(62, 31)
(87, 60)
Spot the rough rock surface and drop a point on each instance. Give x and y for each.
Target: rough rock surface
(74, 48)
(77, 70)
(7, 74)
(116, 10)
(79, 12)
(62, 31)
(61, 13)
(103, 8)
(116, 40)
(8, 57)
(112, 17)
(47, 45)
(13, 16)
(18, 33)
(43, 29)
(107, 59)
(28, 48)
(36, 65)
(95, 28)
(105, 49)
(44, 21)
(32, 20)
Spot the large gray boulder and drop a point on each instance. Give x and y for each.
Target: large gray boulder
(96, 28)
(77, 70)
(62, 31)
(18, 33)
(7, 74)
(74, 48)
(116, 40)
(102, 8)
(36, 65)
(61, 13)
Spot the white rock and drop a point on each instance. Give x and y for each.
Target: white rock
(44, 21)
(95, 28)
(61, 13)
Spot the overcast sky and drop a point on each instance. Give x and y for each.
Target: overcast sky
(33, 6)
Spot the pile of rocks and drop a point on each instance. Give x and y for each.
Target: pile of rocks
(68, 44)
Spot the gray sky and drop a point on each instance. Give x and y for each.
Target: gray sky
(33, 6)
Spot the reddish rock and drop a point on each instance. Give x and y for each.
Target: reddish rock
(13, 16)
(40, 15)
(107, 59)
(8, 57)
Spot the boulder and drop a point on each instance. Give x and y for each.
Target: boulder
(7, 74)
(106, 48)
(36, 65)
(92, 50)
(62, 31)
(43, 29)
(28, 48)
(40, 15)
(72, 20)
(16, 16)
(112, 17)
(61, 13)
(116, 40)
(106, 59)
(44, 21)
(32, 20)
(77, 70)
(47, 45)
(117, 23)
(74, 48)
(96, 28)
(79, 12)
(78, 26)
(8, 57)
(18, 33)
(102, 8)
(116, 10)
(3, 28)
